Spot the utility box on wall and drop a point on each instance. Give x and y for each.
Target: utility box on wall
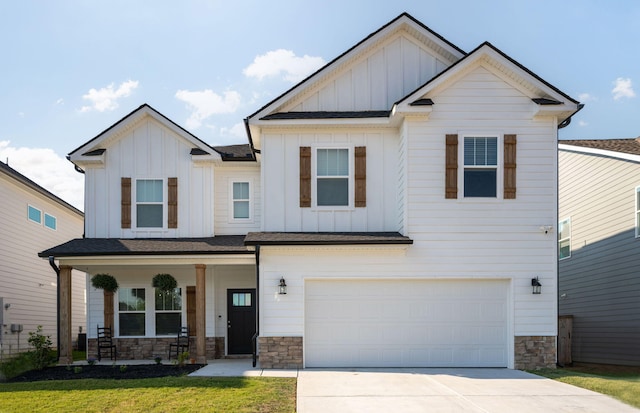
(17, 328)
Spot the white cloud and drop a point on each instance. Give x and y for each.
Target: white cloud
(283, 63)
(236, 131)
(47, 169)
(106, 98)
(586, 97)
(622, 89)
(582, 123)
(206, 103)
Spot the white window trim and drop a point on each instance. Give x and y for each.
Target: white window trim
(249, 220)
(149, 311)
(314, 177)
(29, 217)
(134, 212)
(44, 221)
(499, 167)
(637, 211)
(562, 239)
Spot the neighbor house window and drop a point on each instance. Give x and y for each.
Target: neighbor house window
(564, 239)
(332, 177)
(131, 311)
(638, 212)
(50, 221)
(168, 311)
(34, 214)
(149, 203)
(480, 167)
(241, 199)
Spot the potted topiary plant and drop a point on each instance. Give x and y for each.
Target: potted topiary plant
(164, 282)
(109, 285)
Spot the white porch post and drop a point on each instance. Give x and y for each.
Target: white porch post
(201, 351)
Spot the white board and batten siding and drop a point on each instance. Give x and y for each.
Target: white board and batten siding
(379, 78)
(27, 282)
(148, 150)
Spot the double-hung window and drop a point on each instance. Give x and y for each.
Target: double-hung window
(149, 203)
(168, 311)
(241, 200)
(131, 311)
(332, 177)
(480, 167)
(564, 238)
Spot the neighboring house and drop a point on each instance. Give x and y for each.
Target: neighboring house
(403, 196)
(599, 215)
(33, 219)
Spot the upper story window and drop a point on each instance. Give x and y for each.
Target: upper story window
(50, 221)
(149, 203)
(34, 214)
(332, 177)
(480, 167)
(564, 239)
(638, 212)
(241, 200)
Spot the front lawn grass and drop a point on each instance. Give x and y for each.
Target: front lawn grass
(167, 394)
(622, 383)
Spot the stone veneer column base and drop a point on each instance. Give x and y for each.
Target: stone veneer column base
(535, 352)
(151, 347)
(280, 352)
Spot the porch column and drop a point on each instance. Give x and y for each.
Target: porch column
(201, 325)
(66, 347)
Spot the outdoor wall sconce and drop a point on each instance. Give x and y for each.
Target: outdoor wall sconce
(282, 288)
(535, 284)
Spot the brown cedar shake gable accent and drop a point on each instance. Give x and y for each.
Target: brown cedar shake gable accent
(172, 203)
(125, 210)
(509, 166)
(451, 172)
(305, 177)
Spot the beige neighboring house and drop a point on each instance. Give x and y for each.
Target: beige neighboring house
(33, 218)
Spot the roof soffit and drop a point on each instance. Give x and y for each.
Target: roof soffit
(402, 26)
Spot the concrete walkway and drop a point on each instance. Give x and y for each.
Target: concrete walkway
(444, 390)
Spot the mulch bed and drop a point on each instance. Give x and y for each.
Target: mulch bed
(136, 371)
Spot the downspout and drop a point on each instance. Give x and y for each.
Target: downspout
(52, 263)
(254, 339)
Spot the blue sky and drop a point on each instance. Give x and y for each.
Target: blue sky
(70, 69)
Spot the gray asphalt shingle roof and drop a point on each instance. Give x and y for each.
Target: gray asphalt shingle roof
(630, 146)
(325, 238)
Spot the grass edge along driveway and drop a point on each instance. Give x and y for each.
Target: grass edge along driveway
(167, 394)
(622, 385)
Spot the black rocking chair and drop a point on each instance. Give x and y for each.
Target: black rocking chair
(105, 343)
(181, 344)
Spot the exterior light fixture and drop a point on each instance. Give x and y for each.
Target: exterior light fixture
(282, 287)
(536, 286)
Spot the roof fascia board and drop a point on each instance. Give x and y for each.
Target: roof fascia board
(600, 152)
(152, 260)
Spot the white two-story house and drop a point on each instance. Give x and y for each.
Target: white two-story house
(392, 209)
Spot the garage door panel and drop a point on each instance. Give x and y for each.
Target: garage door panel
(406, 323)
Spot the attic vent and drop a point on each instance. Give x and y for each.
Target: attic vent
(422, 102)
(545, 101)
(95, 152)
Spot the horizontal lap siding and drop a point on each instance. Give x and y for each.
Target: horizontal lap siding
(27, 282)
(599, 285)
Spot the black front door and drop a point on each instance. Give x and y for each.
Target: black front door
(241, 323)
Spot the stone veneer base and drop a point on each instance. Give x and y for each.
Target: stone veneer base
(148, 348)
(280, 352)
(534, 352)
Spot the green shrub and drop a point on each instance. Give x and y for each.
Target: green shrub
(17, 365)
(42, 348)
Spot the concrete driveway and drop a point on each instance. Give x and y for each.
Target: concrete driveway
(443, 390)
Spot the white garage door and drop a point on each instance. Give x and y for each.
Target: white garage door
(406, 323)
